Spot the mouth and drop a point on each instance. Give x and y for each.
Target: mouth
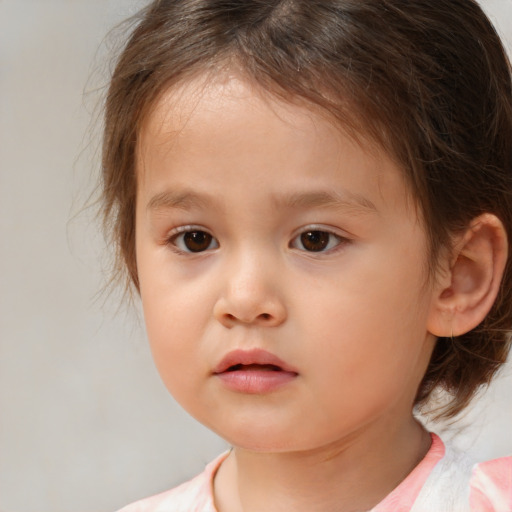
(252, 360)
(254, 367)
(254, 372)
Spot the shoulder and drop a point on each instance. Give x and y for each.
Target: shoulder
(196, 495)
(491, 486)
(458, 483)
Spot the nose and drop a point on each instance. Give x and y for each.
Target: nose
(251, 296)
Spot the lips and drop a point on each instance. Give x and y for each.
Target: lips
(254, 371)
(252, 358)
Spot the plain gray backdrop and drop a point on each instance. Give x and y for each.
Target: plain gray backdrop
(85, 424)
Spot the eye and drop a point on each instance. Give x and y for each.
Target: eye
(316, 240)
(194, 240)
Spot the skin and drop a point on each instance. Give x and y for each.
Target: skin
(354, 321)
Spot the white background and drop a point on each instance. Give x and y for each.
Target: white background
(85, 424)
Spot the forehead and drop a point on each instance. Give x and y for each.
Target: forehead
(228, 92)
(201, 104)
(232, 119)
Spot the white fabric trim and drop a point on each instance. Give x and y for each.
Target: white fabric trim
(447, 487)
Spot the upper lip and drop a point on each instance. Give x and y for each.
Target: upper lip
(250, 357)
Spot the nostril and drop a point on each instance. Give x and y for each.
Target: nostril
(265, 316)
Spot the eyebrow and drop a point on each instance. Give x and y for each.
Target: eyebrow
(188, 199)
(183, 200)
(331, 199)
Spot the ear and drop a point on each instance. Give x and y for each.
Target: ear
(469, 278)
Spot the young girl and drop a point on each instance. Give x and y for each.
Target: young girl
(313, 199)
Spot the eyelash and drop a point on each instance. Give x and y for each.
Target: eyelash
(328, 240)
(332, 242)
(178, 235)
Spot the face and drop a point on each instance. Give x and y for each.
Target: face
(282, 270)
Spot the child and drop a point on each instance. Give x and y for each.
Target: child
(313, 199)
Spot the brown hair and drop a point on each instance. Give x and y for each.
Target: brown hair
(427, 79)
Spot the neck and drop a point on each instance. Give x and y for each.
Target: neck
(350, 476)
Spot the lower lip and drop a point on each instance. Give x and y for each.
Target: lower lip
(256, 382)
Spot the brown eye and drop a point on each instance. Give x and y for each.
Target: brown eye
(195, 241)
(315, 241)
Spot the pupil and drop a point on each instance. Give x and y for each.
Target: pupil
(315, 240)
(197, 241)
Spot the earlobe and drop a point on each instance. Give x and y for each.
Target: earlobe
(470, 283)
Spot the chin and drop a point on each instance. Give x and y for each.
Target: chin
(265, 440)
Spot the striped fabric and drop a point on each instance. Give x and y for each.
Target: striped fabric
(444, 481)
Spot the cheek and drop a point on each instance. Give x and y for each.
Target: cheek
(173, 343)
(173, 321)
(369, 324)
(172, 302)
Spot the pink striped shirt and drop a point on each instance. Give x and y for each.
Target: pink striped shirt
(444, 481)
